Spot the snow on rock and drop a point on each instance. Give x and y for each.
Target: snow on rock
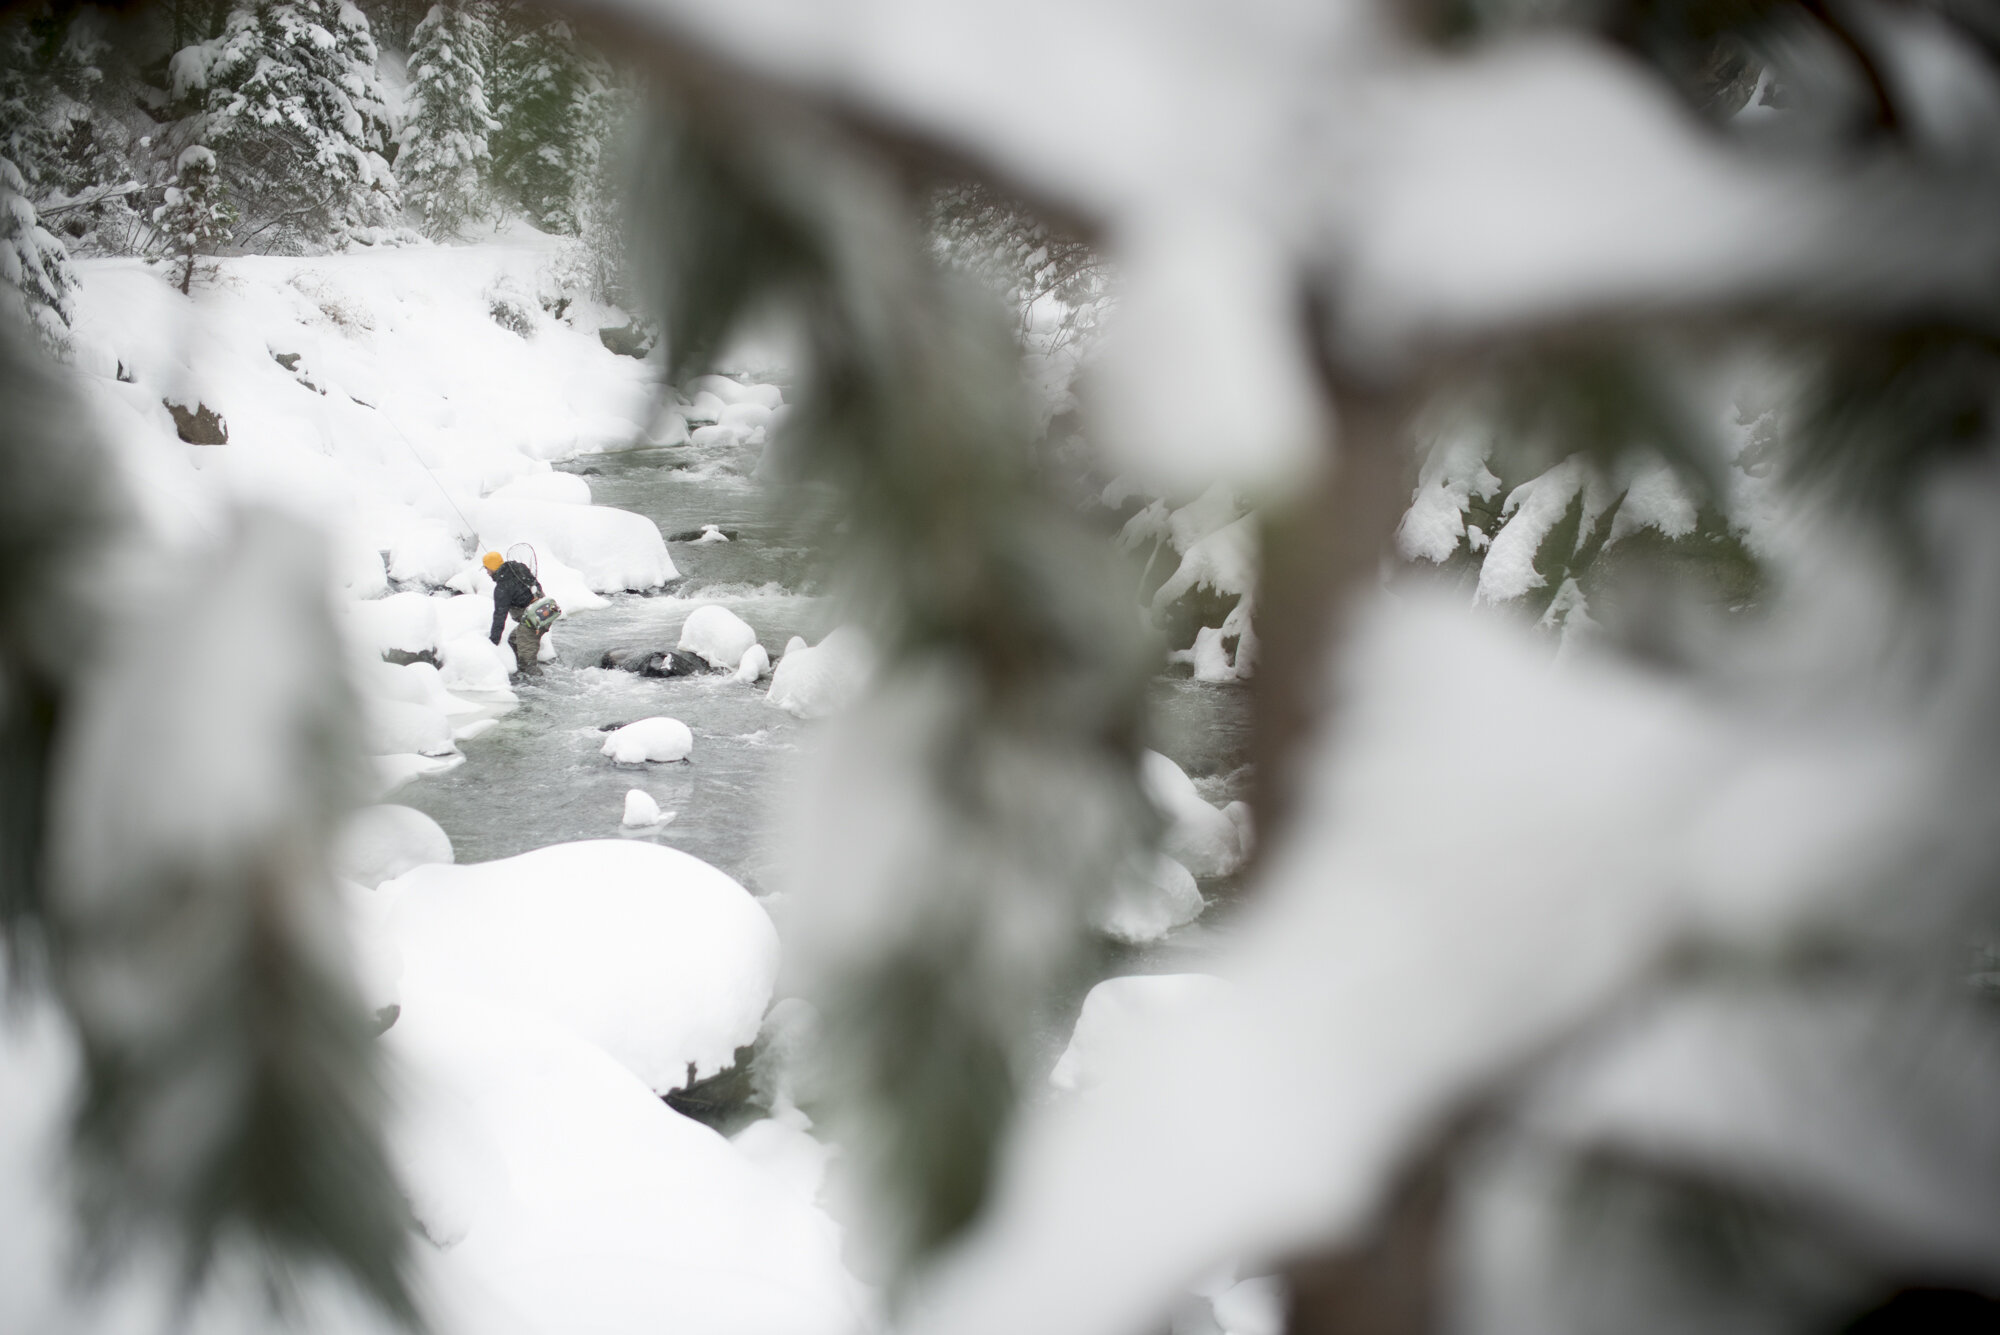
(755, 665)
(732, 393)
(1149, 902)
(717, 635)
(746, 416)
(640, 808)
(712, 533)
(424, 551)
(380, 843)
(612, 550)
(823, 679)
(396, 728)
(562, 488)
(403, 621)
(661, 739)
(649, 953)
(1198, 836)
(474, 663)
(1118, 1010)
(574, 1200)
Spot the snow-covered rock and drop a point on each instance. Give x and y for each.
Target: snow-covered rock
(660, 739)
(812, 682)
(718, 635)
(730, 392)
(574, 1200)
(640, 808)
(611, 549)
(380, 843)
(474, 663)
(1198, 836)
(402, 621)
(396, 728)
(648, 953)
(562, 488)
(1119, 1011)
(756, 664)
(1149, 902)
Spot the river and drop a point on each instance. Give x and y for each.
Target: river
(537, 777)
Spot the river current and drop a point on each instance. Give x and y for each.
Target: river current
(536, 777)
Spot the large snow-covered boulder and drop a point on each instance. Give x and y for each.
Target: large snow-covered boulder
(650, 739)
(562, 488)
(474, 663)
(395, 728)
(402, 621)
(611, 549)
(647, 952)
(380, 843)
(1120, 1012)
(718, 635)
(1198, 836)
(573, 1200)
(731, 392)
(1149, 901)
(812, 682)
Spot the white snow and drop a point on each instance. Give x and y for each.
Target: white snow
(755, 665)
(573, 1199)
(610, 549)
(380, 843)
(649, 739)
(1117, 1012)
(1150, 901)
(1531, 510)
(640, 808)
(644, 951)
(813, 682)
(396, 728)
(561, 488)
(1453, 473)
(717, 635)
(1198, 836)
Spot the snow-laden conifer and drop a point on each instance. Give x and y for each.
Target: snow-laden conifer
(32, 261)
(549, 96)
(445, 155)
(195, 217)
(297, 117)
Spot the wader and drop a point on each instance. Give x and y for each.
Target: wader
(527, 642)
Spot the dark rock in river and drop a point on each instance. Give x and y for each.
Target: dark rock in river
(654, 662)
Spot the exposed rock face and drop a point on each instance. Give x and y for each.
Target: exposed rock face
(632, 340)
(201, 425)
(404, 657)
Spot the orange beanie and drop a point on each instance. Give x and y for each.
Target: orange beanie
(491, 560)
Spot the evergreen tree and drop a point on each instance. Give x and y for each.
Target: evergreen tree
(550, 91)
(63, 86)
(296, 111)
(32, 261)
(444, 141)
(195, 218)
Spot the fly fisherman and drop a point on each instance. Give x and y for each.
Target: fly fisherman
(515, 590)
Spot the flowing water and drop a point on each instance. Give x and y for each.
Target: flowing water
(537, 777)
